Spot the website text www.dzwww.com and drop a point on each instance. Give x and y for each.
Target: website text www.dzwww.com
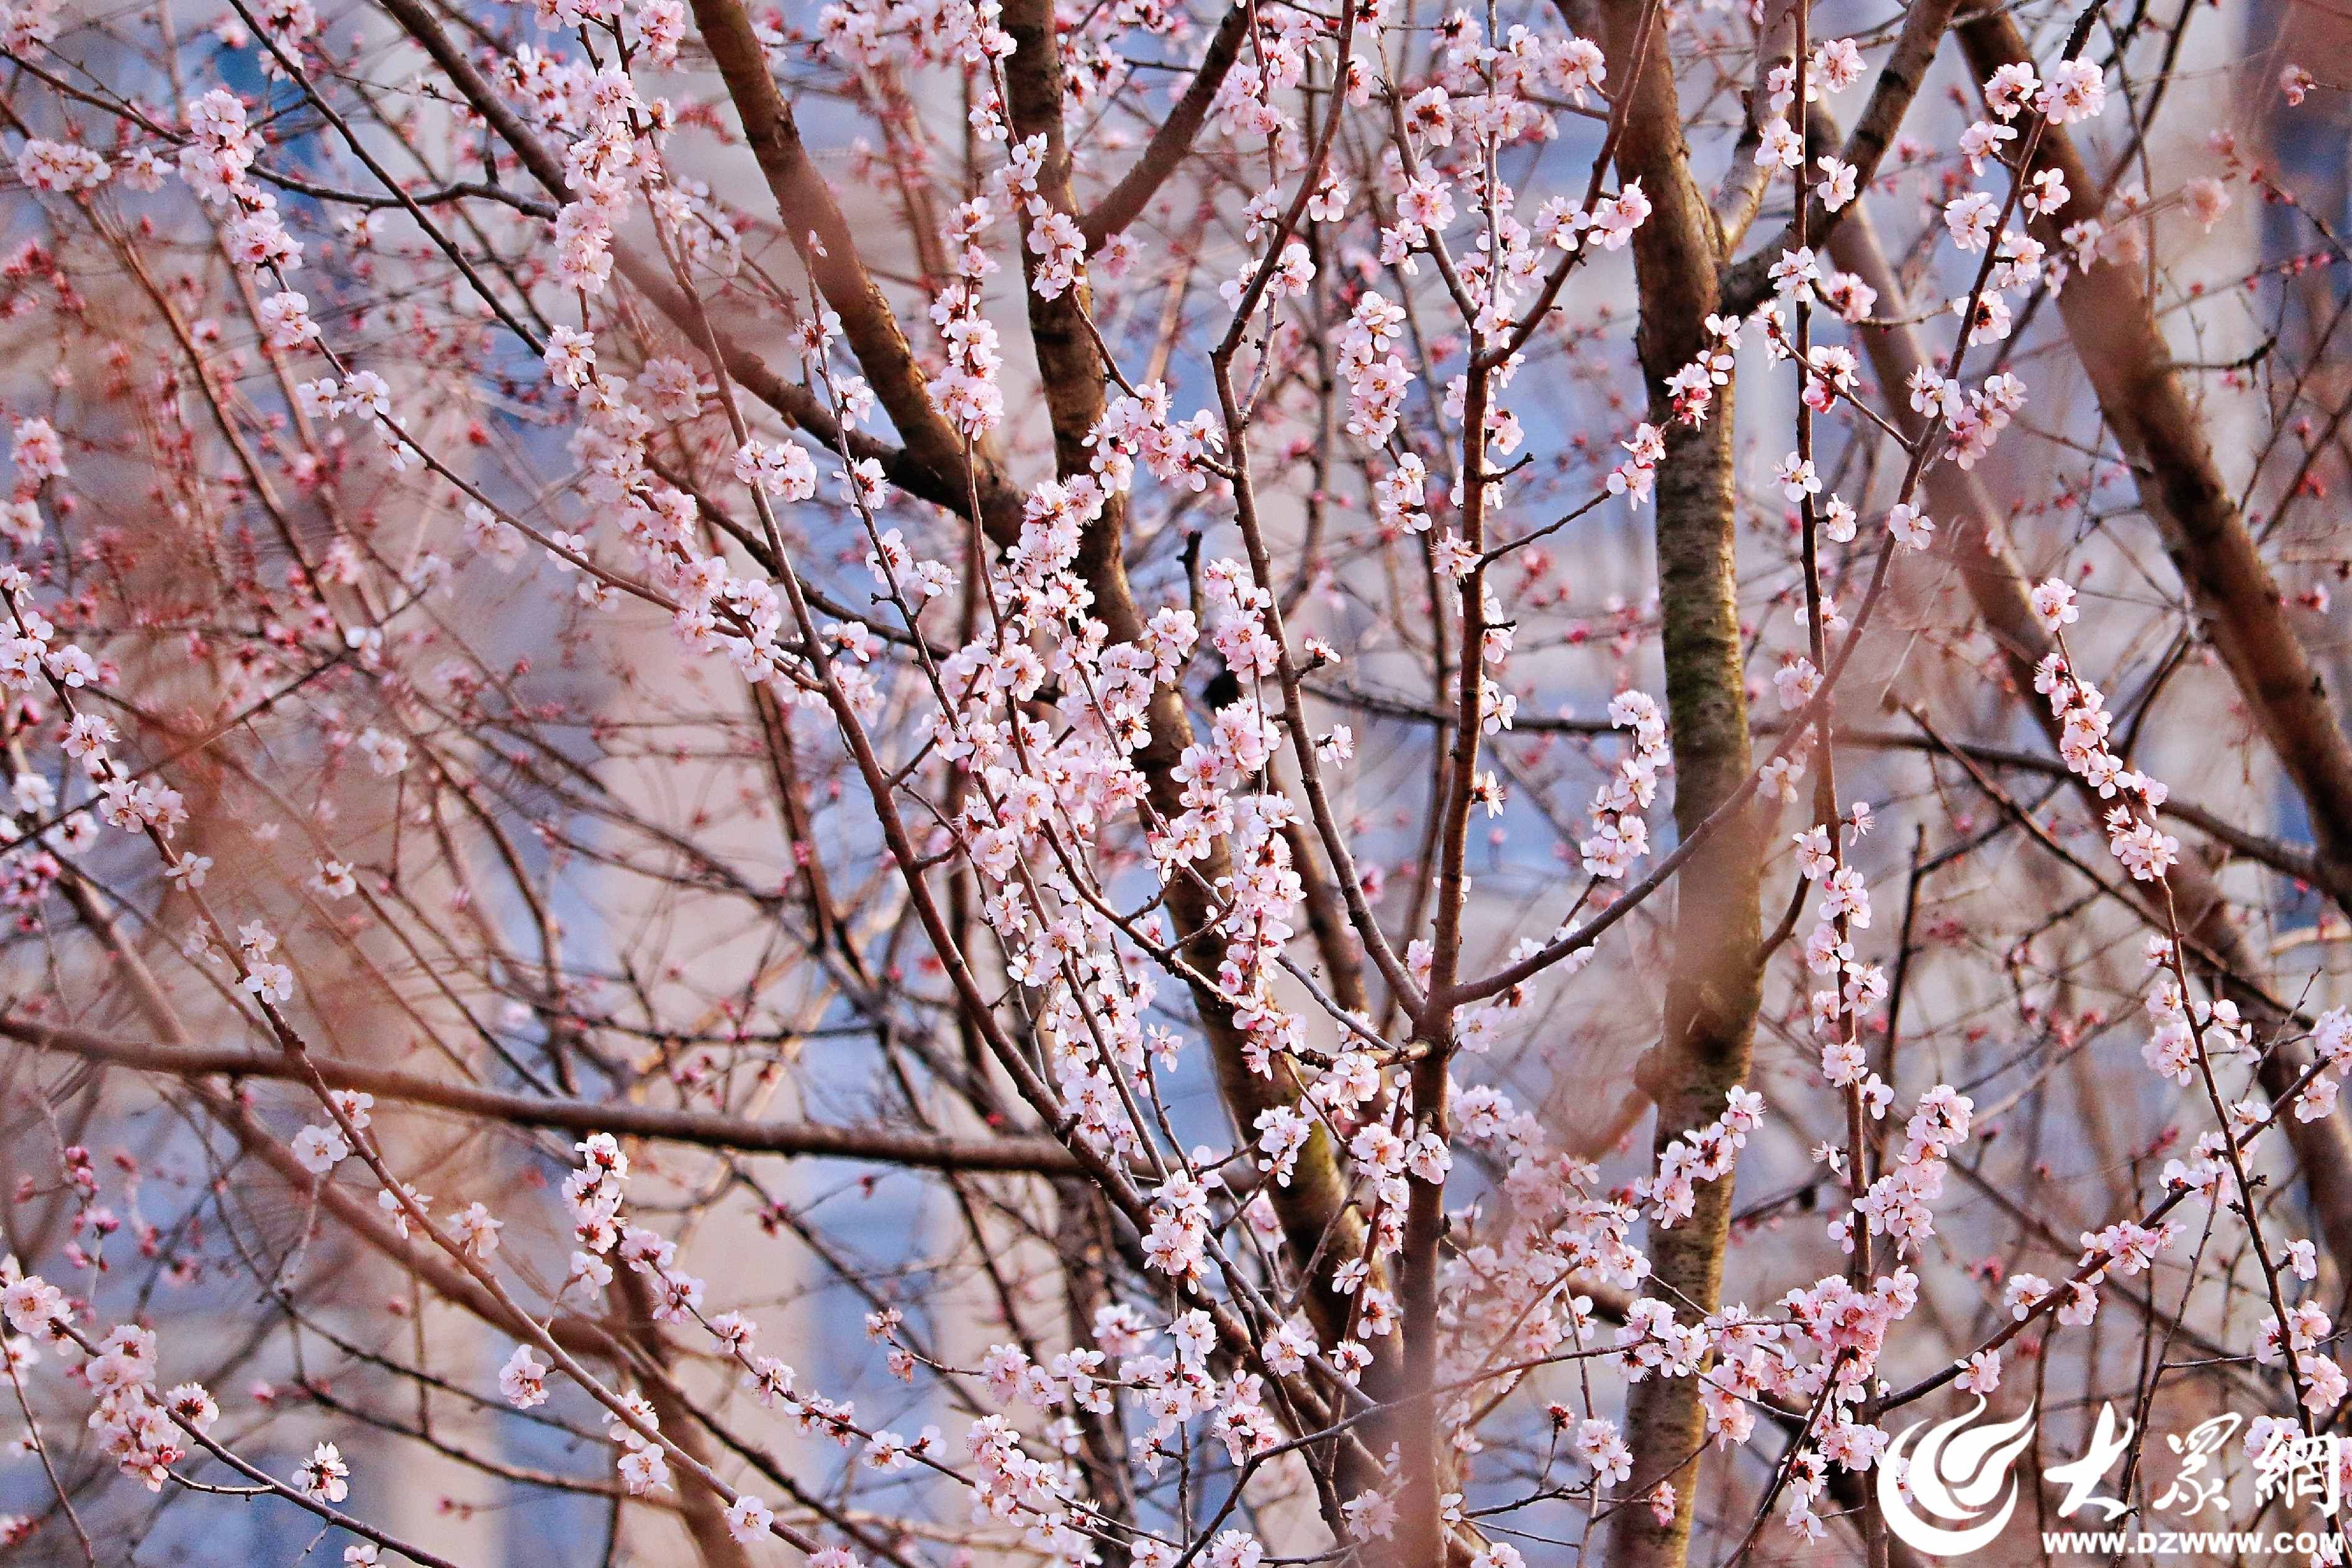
(2301, 1543)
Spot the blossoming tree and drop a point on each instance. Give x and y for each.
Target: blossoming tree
(1112, 689)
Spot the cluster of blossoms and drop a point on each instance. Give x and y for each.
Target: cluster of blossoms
(216, 163)
(1973, 418)
(1010, 1484)
(2307, 1328)
(132, 1418)
(143, 1429)
(2181, 1029)
(2125, 1248)
(1857, 988)
(1056, 246)
(2143, 849)
(2331, 1039)
(1249, 106)
(1819, 1353)
(600, 165)
(1691, 390)
(1621, 828)
(1707, 1155)
(1900, 1205)
(1377, 377)
(63, 167)
(595, 1194)
(1827, 1355)
(966, 387)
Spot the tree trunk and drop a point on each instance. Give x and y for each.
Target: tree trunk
(1712, 988)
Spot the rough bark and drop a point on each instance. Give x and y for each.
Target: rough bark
(1713, 986)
